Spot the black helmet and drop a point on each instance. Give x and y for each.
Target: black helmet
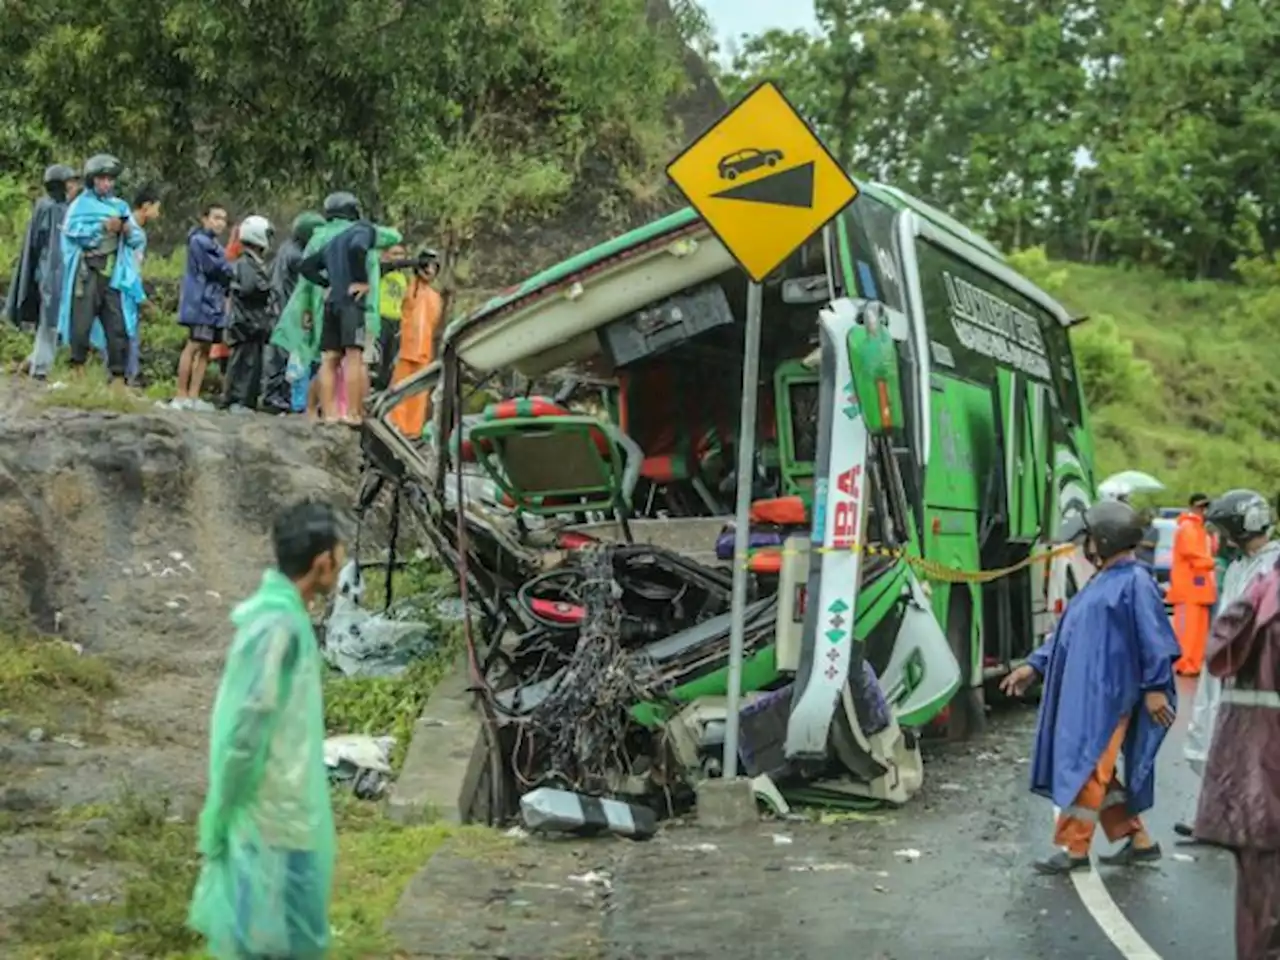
(1241, 515)
(341, 206)
(101, 165)
(59, 173)
(1114, 527)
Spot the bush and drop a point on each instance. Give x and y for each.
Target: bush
(1109, 369)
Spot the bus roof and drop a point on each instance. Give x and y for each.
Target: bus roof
(687, 220)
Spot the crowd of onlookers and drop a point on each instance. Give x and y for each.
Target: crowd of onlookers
(310, 324)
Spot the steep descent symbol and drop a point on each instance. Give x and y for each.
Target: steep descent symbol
(787, 188)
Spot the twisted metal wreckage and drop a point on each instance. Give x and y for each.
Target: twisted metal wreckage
(587, 530)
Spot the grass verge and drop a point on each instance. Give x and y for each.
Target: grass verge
(45, 681)
(376, 860)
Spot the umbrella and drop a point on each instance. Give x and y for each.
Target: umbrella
(1128, 482)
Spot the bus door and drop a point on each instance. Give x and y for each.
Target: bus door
(1024, 453)
(829, 652)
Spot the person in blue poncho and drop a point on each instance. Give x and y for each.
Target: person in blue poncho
(98, 240)
(146, 210)
(1108, 691)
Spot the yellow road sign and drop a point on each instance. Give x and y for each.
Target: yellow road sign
(762, 180)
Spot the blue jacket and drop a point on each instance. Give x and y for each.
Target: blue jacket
(203, 300)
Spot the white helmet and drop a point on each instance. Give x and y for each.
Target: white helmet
(257, 231)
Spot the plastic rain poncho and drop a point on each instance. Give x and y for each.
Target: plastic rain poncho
(1113, 644)
(82, 231)
(303, 344)
(266, 831)
(1204, 710)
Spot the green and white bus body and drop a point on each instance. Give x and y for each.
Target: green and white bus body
(940, 448)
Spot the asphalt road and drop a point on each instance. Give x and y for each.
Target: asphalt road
(948, 876)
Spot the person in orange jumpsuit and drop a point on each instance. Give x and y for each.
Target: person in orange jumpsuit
(420, 319)
(1193, 586)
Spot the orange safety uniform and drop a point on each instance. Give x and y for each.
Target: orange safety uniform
(420, 319)
(1193, 590)
(1103, 800)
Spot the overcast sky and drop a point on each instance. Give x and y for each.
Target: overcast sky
(735, 17)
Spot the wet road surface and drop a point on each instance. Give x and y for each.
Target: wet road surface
(947, 877)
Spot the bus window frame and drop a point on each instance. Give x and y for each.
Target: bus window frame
(912, 228)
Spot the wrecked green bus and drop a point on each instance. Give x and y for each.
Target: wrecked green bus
(922, 433)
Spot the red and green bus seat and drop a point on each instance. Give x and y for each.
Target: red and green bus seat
(659, 415)
(548, 461)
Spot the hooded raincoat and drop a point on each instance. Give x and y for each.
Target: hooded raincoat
(1113, 645)
(1240, 575)
(26, 303)
(266, 831)
(1240, 798)
(82, 231)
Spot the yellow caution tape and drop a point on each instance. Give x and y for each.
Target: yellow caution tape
(931, 569)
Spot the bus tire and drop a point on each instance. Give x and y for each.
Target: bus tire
(967, 715)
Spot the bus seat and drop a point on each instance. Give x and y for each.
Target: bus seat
(791, 380)
(553, 462)
(662, 430)
(781, 511)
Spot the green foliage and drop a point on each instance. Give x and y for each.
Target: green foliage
(1142, 132)
(1182, 377)
(47, 680)
(453, 113)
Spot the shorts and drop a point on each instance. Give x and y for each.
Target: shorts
(343, 327)
(203, 333)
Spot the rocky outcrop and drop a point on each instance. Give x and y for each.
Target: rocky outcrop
(133, 536)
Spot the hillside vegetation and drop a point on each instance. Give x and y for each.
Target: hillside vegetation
(1182, 376)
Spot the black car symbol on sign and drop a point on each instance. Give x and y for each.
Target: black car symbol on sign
(744, 161)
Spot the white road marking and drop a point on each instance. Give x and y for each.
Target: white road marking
(1107, 914)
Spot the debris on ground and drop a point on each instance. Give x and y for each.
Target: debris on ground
(363, 644)
(360, 760)
(560, 811)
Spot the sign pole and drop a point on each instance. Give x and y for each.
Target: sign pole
(742, 525)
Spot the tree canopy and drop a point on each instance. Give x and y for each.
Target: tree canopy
(1141, 130)
(451, 111)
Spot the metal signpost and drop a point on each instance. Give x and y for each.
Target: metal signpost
(764, 183)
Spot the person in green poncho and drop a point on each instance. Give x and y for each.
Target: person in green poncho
(300, 328)
(347, 268)
(266, 832)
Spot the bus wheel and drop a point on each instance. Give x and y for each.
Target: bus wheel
(967, 712)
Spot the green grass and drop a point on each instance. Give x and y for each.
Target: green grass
(45, 681)
(375, 861)
(1183, 377)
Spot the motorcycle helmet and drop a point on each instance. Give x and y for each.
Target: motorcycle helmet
(257, 231)
(101, 165)
(58, 174)
(1241, 515)
(304, 225)
(1112, 526)
(341, 206)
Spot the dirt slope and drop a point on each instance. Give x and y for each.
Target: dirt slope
(132, 536)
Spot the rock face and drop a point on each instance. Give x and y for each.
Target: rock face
(133, 536)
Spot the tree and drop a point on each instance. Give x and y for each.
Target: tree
(259, 99)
